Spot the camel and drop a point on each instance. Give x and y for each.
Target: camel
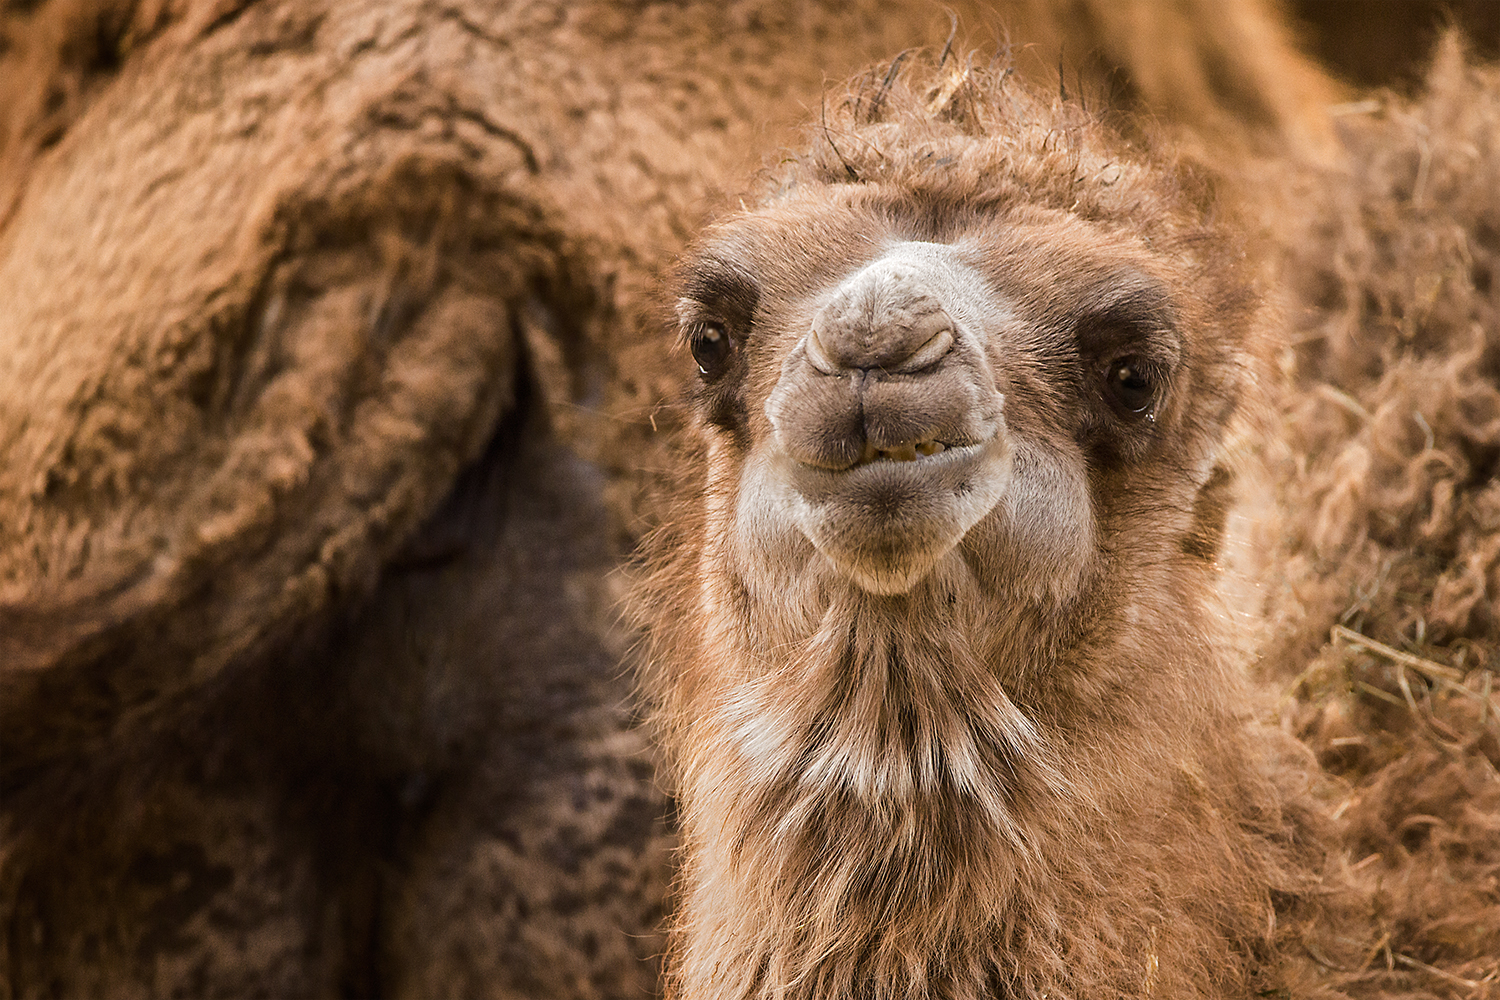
(326, 412)
(953, 701)
(330, 406)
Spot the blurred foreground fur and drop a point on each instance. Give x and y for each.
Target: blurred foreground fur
(1390, 498)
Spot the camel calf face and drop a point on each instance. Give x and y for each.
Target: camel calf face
(898, 393)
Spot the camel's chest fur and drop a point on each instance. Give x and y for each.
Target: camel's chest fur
(864, 807)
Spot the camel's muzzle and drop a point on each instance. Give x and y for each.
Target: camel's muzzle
(888, 421)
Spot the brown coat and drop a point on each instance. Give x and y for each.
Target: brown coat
(955, 705)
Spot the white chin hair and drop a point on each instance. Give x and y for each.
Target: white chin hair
(889, 581)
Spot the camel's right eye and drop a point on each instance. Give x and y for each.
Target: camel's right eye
(711, 348)
(1131, 385)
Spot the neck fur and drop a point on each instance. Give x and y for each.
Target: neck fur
(864, 800)
(961, 794)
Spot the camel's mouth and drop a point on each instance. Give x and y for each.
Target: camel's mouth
(909, 452)
(888, 519)
(921, 464)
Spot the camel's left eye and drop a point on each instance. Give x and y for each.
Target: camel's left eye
(711, 348)
(1131, 385)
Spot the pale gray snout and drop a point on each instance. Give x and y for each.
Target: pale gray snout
(884, 372)
(889, 431)
(883, 318)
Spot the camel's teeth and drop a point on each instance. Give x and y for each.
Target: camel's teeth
(903, 453)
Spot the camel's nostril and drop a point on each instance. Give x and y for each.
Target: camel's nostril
(889, 316)
(818, 356)
(893, 357)
(885, 374)
(931, 352)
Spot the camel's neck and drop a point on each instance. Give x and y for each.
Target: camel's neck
(960, 794)
(859, 804)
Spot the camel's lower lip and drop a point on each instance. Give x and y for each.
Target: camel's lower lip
(886, 523)
(941, 468)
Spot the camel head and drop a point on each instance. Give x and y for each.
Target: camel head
(901, 387)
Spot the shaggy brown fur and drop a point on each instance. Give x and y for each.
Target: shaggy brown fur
(1396, 418)
(1391, 524)
(1017, 761)
(288, 704)
(275, 712)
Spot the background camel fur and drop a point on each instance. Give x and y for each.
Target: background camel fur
(326, 402)
(1389, 485)
(1390, 45)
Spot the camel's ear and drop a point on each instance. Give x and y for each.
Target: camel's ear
(1210, 512)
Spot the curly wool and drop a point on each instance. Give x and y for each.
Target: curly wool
(1391, 519)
